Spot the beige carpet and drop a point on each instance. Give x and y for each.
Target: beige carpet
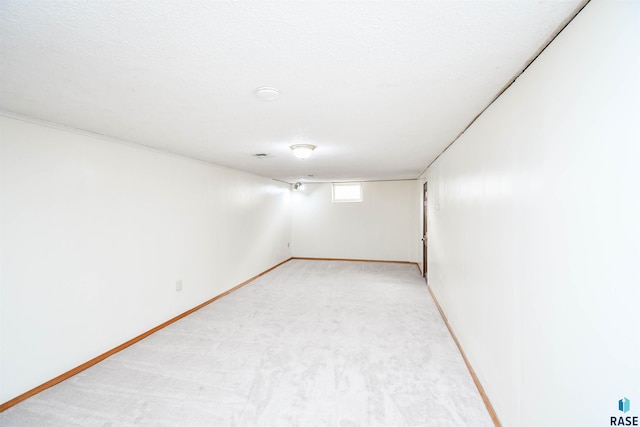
(312, 343)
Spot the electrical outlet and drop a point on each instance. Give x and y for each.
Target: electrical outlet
(178, 285)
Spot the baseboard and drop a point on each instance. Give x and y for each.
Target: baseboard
(8, 404)
(359, 260)
(485, 398)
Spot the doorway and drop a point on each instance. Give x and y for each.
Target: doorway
(424, 231)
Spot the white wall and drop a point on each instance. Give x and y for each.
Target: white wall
(96, 233)
(535, 230)
(384, 226)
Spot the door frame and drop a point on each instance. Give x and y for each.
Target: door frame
(425, 222)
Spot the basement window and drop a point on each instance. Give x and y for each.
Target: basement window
(347, 192)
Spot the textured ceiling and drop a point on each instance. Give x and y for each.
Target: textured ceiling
(380, 87)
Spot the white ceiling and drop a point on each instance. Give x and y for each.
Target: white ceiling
(381, 87)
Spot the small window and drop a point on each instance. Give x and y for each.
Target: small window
(347, 192)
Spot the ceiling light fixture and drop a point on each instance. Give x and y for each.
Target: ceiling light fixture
(302, 151)
(267, 93)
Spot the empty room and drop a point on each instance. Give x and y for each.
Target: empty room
(320, 213)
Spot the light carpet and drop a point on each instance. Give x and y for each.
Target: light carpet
(312, 343)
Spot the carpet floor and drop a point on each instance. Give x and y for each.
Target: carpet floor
(311, 343)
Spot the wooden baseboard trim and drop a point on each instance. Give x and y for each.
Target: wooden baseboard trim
(8, 404)
(485, 398)
(359, 260)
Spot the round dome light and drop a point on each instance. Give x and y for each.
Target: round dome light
(267, 93)
(302, 151)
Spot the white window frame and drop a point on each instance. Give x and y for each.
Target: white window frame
(346, 199)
